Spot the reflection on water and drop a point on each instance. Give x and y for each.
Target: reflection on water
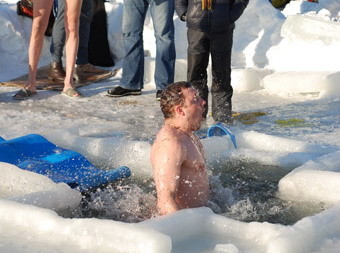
(244, 191)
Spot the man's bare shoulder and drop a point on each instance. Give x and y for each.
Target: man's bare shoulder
(167, 139)
(167, 148)
(168, 135)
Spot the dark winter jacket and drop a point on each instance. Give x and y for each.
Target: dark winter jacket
(220, 18)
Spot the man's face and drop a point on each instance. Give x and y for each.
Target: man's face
(193, 107)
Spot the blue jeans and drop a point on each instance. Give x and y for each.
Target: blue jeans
(134, 12)
(59, 35)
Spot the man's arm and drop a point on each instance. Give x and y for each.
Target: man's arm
(167, 157)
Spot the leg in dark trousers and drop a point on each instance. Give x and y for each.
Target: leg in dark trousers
(198, 59)
(221, 89)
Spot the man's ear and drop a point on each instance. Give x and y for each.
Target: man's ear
(178, 109)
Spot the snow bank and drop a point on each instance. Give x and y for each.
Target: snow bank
(301, 6)
(15, 32)
(255, 32)
(35, 189)
(32, 229)
(308, 44)
(307, 27)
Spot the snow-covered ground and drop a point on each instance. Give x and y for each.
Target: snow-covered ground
(285, 64)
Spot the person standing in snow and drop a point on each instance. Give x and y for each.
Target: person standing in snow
(210, 26)
(41, 14)
(56, 71)
(134, 13)
(177, 155)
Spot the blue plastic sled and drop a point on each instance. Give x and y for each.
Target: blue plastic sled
(34, 153)
(220, 130)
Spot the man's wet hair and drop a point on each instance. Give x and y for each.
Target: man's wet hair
(172, 95)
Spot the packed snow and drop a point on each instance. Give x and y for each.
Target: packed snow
(285, 65)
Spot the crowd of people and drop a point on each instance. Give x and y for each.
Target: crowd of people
(177, 154)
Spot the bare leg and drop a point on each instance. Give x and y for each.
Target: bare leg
(41, 14)
(72, 13)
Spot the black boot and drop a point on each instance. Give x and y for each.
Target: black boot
(221, 108)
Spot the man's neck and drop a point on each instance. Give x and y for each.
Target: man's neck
(182, 126)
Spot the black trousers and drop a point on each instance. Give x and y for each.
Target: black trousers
(218, 45)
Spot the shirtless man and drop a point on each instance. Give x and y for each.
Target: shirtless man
(177, 155)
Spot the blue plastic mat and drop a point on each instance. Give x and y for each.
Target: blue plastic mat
(34, 153)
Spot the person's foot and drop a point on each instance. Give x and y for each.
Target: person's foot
(72, 93)
(23, 94)
(120, 92)
(56, 72)
(88, 68)
(158, 95)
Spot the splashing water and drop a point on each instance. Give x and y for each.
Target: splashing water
(126, 201)
(241, 190)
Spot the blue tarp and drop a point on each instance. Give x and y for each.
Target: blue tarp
(34, 153)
